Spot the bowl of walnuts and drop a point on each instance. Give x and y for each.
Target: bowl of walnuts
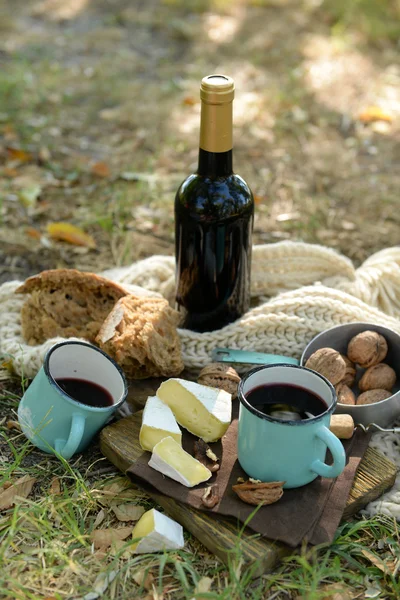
(362, 361)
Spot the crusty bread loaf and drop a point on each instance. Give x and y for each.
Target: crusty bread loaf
(66, 303)
(141, 335)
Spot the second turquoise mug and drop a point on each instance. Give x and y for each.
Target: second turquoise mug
(53, 420)
(272, 449)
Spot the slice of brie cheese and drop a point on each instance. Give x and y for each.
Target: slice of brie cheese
(157, 532)
(172, 460)
(204, 411)
(158, 422)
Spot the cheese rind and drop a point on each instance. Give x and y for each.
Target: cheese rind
(157, 532)
(170, 459)
(158, 422)
(204, 411)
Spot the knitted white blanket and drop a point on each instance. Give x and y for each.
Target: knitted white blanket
(310, 289)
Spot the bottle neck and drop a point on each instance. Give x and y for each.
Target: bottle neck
(215, 153)
(215, 164)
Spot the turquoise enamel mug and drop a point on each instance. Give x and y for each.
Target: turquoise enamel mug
(283, 429)
(73, 395)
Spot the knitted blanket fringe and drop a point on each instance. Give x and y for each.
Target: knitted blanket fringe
(298, 290)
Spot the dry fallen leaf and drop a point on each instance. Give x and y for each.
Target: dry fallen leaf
(8, 365)
(101, 515)
(10, 172)
(203, 586)
(190, 100)
(21, 488)
(13, 425)
(376, 561)
(103, 538)
(55, 486)
(335, 591)
(33, 233)
(115, 492)
(9, 132)
(374, 113)
(18, 154)
(143, 578)
(116, 547)
(101, 169)
(72, 234)
(128, 512)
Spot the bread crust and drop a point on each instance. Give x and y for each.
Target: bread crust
(68, 276)
(66, 303)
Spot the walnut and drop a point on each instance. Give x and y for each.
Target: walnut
(329, 363)
(210, 497)
(220, 375)
(350, 375)
(344, 394)
(373, 396)
(259, 493)
(204, 454)
(380, 376)
(368, 348)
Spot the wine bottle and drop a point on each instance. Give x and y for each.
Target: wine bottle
(214, 211)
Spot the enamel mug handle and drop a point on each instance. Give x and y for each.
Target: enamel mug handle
(69, 447)
(337, 451)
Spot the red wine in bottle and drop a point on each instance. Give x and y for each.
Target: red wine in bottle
(214, 211)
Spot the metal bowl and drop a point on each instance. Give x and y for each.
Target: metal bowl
(382, 413)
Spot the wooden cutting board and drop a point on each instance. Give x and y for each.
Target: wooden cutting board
(119, 442)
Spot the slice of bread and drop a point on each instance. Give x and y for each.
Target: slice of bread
(66, 303)
(140, 333)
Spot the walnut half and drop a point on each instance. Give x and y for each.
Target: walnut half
(220, 375)
(210, 497)
(204, 454)
(259, 493)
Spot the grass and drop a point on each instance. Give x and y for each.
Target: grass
(46, 544)
(114, 87)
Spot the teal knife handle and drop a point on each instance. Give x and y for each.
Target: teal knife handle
(253, 358)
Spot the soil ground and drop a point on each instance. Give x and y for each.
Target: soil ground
(99, 118)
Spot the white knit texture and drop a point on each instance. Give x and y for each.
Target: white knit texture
(312, 288)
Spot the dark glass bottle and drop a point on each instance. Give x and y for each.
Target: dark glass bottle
(214, 211)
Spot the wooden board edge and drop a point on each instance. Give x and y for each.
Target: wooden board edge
(219, 535)
(368, 485)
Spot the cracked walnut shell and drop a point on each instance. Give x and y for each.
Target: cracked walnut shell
(380, 376)
(221, 376)
(258, 492)
(367, 348)
(329, 363)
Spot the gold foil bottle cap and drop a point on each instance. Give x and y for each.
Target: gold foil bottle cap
(217, 89)
(216, 93)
